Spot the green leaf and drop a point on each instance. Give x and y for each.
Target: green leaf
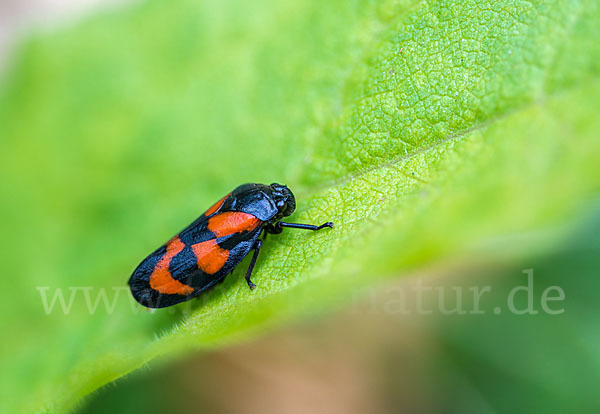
(424, 131)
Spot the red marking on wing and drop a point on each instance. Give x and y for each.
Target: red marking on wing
(161, 279)
(216, 206)
(211, 257)
(228, 223)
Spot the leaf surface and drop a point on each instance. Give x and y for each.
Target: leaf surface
(425, 131)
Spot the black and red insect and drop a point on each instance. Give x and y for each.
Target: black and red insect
(207, 250)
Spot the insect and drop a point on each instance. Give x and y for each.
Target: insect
(207, 250)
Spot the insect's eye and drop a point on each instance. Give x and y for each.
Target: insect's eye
(280, 204)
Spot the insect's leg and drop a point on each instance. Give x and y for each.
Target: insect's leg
(256, 247)
(272, 229)
(281, 224)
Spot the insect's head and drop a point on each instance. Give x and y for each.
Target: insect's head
(284, 199)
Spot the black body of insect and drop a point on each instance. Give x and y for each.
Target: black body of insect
(207, 250)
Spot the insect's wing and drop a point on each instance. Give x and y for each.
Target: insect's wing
(196, 259)
(152, 283)
(200, 222)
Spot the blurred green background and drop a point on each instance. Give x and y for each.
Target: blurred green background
(453, 144)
